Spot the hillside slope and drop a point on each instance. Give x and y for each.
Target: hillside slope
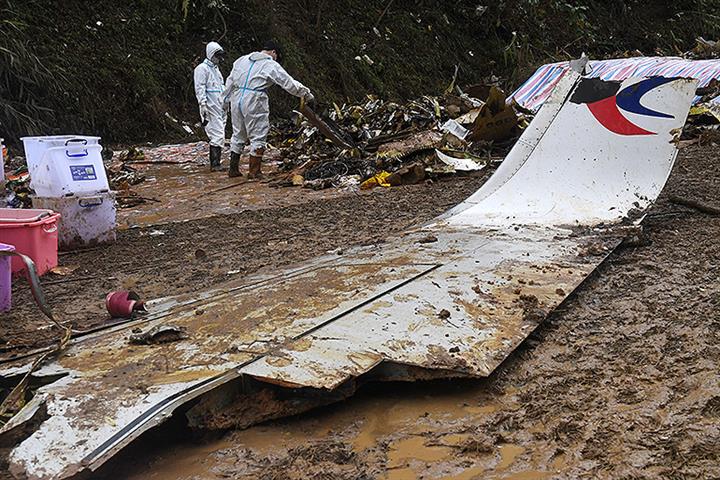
(116, 68)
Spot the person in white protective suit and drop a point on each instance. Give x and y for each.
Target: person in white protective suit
(246, 95)
(209, 84)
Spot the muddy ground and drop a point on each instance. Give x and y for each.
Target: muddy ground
(622, 381)
(169, 259)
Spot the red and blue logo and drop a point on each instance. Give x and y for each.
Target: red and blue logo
(605, 100)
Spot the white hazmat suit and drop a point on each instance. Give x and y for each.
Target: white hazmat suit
(209, 85)
(246, 90)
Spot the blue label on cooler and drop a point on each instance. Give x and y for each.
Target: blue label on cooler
(83, 172)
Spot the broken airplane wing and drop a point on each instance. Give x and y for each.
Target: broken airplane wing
(452, 298)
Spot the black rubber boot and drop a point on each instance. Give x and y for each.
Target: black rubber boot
(215, 159)
(234, 165)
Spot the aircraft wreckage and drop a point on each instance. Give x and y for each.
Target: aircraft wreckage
(452, 298)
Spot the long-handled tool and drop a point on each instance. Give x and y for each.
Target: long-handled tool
(326, 127)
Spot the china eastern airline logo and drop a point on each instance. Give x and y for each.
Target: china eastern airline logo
(605, 101)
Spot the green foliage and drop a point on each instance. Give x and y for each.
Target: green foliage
(185, 8)
(115, 68)
(187, 5)
(22, 107)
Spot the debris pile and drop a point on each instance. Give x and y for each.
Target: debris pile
(381, 142)
(178, 153)
(704, 49)
(122, 175)
(704, 117)
(16, 192)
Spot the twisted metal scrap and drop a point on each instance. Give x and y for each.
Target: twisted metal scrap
(14, 401)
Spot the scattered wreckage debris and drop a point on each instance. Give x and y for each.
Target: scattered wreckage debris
(14, 403)
(704, 49)
(125, 169)
(158, 334)
(455, 164)
(121, 178)
(701, 120)
(17, 193)
(453, 307)
(496, 120)
(326, 128)
(364, 143)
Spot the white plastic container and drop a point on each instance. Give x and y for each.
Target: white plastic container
(65, 165)
(85, 220)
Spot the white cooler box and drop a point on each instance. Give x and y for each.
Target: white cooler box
(85, 219)
(65, 165)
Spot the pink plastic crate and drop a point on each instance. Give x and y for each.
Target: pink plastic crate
(5, 279)
(33, 233)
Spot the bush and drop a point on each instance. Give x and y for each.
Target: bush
(115, 69)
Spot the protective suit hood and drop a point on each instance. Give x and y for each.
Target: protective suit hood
(255, 56)
(211, 49)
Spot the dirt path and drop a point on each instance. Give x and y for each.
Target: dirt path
(621, 382)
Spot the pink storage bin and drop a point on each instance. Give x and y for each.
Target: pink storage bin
(33, 233)
(5, 279)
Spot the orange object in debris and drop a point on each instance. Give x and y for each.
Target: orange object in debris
(496, 120)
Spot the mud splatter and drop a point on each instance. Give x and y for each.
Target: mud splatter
(621, 381)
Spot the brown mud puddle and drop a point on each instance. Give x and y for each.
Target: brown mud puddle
(405, 431)
(187, 191)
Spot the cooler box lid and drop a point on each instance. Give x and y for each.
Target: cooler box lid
(23, 215)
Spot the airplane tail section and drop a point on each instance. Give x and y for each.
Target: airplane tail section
(596, 152)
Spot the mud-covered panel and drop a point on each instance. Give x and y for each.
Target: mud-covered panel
(465, 316)
(113, 382)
